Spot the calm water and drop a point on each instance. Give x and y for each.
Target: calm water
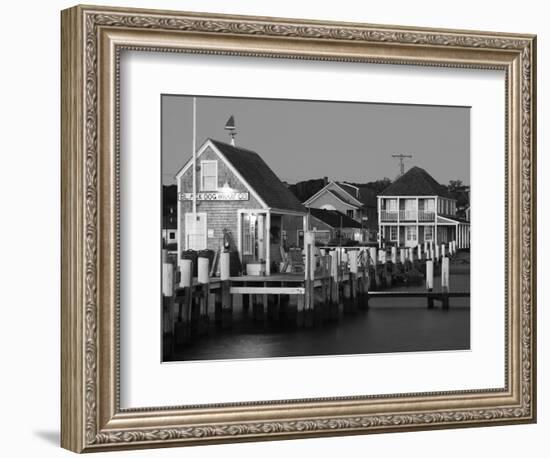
(389, 325)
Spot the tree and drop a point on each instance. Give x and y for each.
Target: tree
(378, 185)
(456, 186)
(460, 192)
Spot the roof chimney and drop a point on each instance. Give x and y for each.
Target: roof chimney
(325, 180)
(230, 126)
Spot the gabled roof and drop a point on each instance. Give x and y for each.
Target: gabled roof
(334, 218)
(341, 198)
(348, 187)
(416, 182)
(344, 192)
(260, 177)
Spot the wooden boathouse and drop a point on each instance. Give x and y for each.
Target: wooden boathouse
(241, 204)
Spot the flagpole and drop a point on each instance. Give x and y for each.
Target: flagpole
(194, 158)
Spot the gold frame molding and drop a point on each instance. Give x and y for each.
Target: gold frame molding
(92, 39)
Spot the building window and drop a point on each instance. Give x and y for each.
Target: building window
(349, 213)
(393, 233)
(209, 175)
(428, 233)
(172, 235)
(391, 205)
(429, 205)
(410, 232)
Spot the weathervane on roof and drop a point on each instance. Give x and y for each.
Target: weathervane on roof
(230, 126)
(401, 158)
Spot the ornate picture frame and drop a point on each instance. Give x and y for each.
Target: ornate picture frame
(92, 40)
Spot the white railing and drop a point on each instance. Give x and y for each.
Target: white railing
(387, 215)
(426, 215)
(407, 215)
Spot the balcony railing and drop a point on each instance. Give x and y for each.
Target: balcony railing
(407, 215)
(426, 216)
(387, 215)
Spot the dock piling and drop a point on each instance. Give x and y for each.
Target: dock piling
(225, 295)
(445, 283)
(430, 281)
(203, 279)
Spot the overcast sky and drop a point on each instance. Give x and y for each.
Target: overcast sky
(301, 140)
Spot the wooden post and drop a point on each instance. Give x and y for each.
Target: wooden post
(419, 252)
(246, 299)
(185, 315)
(167, 279)
(372, 254)
(387, 271)
(381, 271)
(437, 252)
(225, 286)
(324, 301)
(334, 291)
(353, 271)
(168, 303)
(443, 250)
(445, 283)
(394, 255)
(309, 273)
(366, 284)
(402, 255)
(430, 281)
(203, 274)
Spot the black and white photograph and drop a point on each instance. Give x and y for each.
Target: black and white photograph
(299, 228)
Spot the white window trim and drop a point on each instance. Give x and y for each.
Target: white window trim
(432, 237)
(392, 239)
(410, 230)
(210, 161)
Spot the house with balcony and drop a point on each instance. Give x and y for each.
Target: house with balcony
(356, 202)
(415, 209)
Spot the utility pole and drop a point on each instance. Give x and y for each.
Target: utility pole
(401, 158)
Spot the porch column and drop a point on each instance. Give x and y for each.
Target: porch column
(240, 234)
(435, 218)
(261, 237)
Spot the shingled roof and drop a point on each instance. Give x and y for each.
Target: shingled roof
(334, 218)
(416, 182)
(262, 179)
